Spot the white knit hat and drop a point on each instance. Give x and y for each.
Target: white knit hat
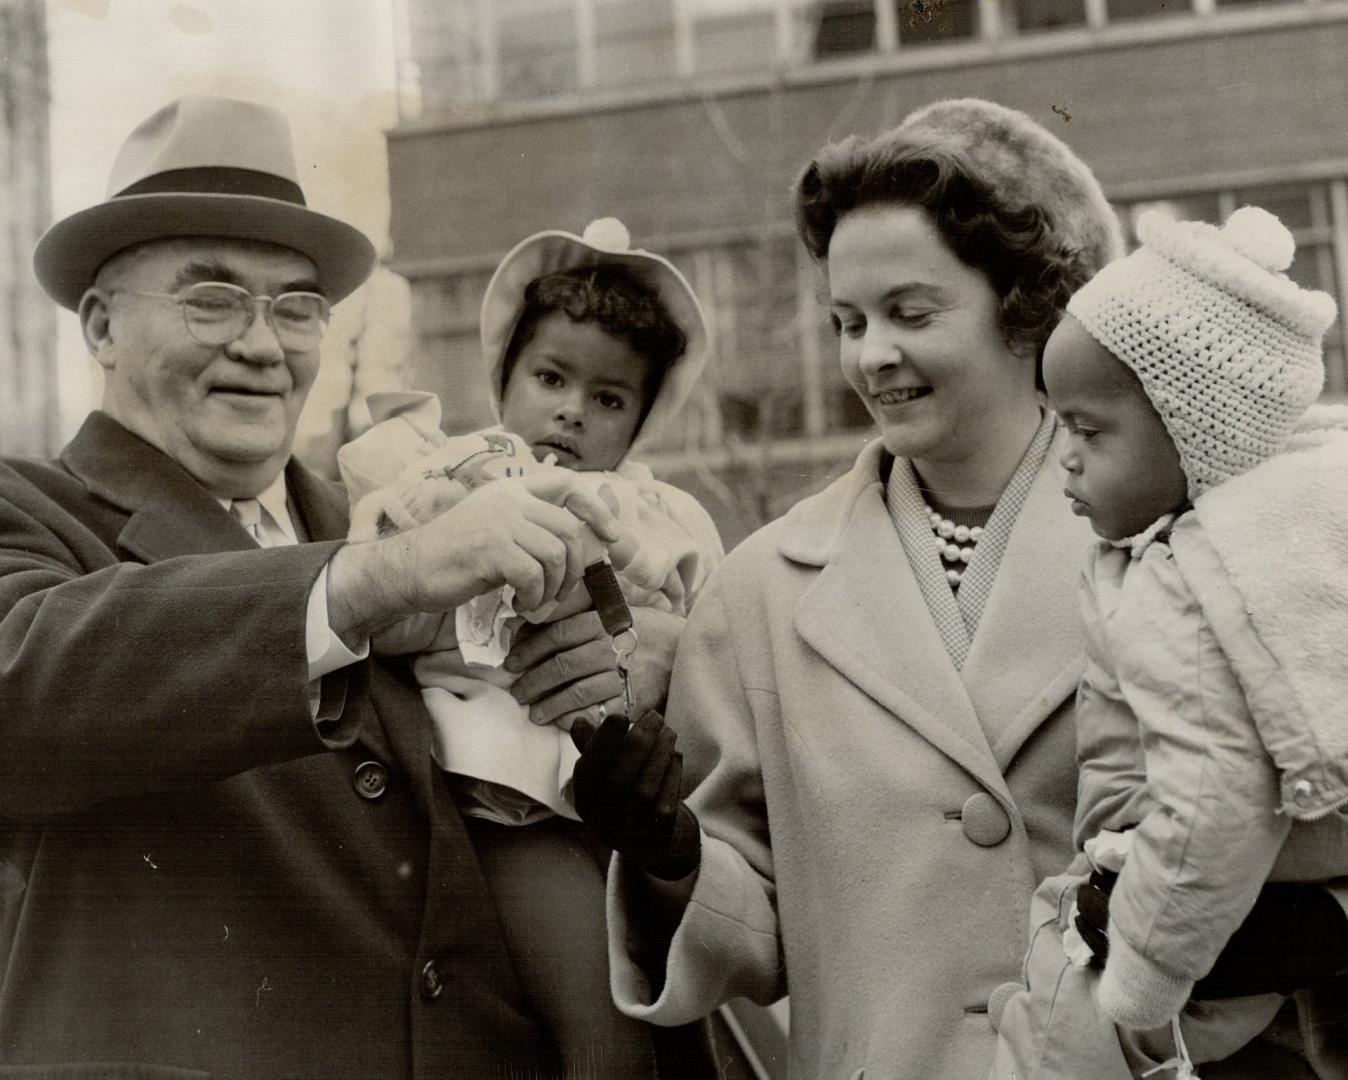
(1227, 347)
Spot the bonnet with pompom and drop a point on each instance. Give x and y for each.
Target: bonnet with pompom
(605, 242)
(1227, 347)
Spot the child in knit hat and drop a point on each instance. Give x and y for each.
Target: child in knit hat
(590, 346)
(1211, 741)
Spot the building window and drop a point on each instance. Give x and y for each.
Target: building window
(634, 42)
(458, 53)
(538, 48)
(843, 28)
(926, 22)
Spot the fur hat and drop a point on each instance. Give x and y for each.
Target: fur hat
(1028, 166)
(202, 166)
(606, 242)
(1226, 346)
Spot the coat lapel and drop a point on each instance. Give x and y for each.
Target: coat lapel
(1009, 674)
(169, 512)
(865, 615)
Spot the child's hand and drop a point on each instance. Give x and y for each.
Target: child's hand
(419, 495)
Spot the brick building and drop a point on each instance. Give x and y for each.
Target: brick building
(688, 119)
(28, 397)
(541, 113)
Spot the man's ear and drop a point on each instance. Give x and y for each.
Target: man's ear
(95, 314)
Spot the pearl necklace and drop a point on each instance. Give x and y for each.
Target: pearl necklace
(954, 542)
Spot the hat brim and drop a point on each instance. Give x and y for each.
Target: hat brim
(554, 251)
(68, 255)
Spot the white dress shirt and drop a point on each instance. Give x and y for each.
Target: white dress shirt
(325, 651)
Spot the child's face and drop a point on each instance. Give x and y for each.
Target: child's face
(1123, 471)
(575, 391)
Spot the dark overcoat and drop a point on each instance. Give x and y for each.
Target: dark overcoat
(196, 878)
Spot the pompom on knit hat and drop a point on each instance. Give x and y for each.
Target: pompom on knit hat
(1226, 346)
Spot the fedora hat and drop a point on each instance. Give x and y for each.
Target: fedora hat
(202, 166)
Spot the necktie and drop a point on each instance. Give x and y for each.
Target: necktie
(248, 513)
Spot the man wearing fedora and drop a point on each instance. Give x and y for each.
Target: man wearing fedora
(224, 847)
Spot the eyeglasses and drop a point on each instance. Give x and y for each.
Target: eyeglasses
(217, 313)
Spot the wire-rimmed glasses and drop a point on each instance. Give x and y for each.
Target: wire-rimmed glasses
(217, 313)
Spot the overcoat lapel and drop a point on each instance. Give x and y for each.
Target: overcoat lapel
(865, 615)
(1018, 678)
(171, 514)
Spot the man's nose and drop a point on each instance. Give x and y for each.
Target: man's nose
(258, 344)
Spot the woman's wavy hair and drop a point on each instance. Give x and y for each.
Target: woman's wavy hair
(1012, 246)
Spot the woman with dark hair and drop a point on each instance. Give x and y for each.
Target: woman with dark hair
(874, 695)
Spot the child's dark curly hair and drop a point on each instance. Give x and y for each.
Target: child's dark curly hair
(1010, 245)
(612, 298)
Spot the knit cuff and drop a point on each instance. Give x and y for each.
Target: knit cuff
(1135, 992)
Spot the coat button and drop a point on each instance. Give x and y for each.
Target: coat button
(432, 982)
(1303, 793)
(997, 1003)
(371, 780)
(984, 821)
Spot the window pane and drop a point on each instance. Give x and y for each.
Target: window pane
(1030, 15)
(1289, 203)
(733, 35)
(756, 368)
(444, 44)
(634, 42)
(537, 47)
(1125, 10)
(924, 22)
(840, 27)
(1182, 208)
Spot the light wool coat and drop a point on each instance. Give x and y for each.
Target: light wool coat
(856, 786)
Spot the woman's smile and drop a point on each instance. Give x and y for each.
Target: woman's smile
(901, 396)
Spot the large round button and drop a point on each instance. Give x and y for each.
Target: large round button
(984, 820)
(432, 981)
(371, 780)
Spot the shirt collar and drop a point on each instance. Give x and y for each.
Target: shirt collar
(273, 501)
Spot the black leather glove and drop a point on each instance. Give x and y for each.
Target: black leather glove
(626, 788)
(1294, 938)
(1092, 920)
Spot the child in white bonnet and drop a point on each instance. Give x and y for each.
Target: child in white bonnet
(590, 347)
(1210, 718)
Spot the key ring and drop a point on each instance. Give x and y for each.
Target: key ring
(616, 618)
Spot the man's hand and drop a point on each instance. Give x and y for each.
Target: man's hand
(567, 669)
(526, 532)
(626, 789)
